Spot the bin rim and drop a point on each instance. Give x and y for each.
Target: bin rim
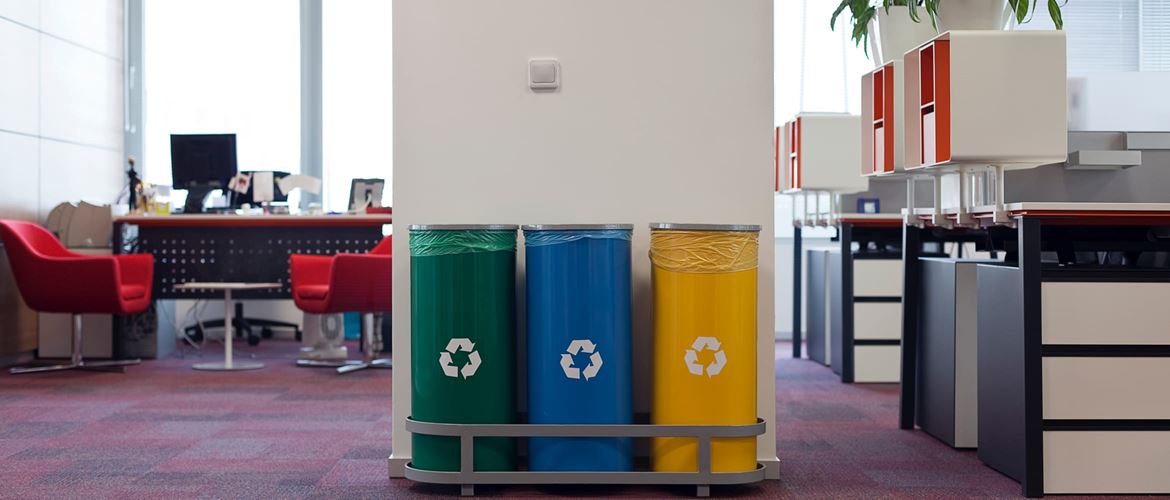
(705, 227)
(463, 227)
(578, 227)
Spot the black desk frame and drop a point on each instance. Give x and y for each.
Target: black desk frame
(222, 251)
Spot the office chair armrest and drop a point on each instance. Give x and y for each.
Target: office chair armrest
(310, 269)
(92, 281)
(136, 269)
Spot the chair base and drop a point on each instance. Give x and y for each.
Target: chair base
(346, 366)
(81, 365)
(368, 350)
(383, 363)
(223, 366)
(327, 363)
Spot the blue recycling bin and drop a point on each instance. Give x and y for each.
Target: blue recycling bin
(579, 366)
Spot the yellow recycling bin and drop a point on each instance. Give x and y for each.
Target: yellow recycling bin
(704, 279)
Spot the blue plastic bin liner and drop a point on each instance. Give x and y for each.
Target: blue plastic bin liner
(579, 366)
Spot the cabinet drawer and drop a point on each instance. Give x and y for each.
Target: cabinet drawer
(1100, 462)
(877, 363)
(877, 278)
(1104, 313)
(1106, 388)
(877, 320)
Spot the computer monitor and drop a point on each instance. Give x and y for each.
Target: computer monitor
(201, 163)
(365, 193)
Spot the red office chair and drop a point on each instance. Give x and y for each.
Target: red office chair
(54, 280)
(345, 282)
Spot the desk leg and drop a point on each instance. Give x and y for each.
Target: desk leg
(228, 364)
(229, 329)
(911, 249)
(797, 289)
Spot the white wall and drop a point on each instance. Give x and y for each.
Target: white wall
(60, 121)
(60, 104)
(665, 114)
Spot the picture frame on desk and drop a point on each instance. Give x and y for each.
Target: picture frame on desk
(364, 193)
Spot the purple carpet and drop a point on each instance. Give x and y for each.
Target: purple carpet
(162, 430)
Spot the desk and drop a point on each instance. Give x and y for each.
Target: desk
(1072, 351)
(884, 227)
(866, 297)
(237, 248)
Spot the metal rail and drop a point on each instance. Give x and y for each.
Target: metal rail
(467, 477)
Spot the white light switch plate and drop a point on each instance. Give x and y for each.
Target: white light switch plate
(544, 74)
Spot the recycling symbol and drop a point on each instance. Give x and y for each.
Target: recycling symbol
(692, 357)
(576, 347)
(456, 345)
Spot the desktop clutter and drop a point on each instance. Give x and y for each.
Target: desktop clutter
(205, 167)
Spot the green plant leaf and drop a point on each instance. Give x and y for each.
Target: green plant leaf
(840, 9)
(932, 10)
(1054, 12)
(1021, 11)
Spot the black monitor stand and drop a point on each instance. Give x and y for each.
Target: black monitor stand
(196, 195)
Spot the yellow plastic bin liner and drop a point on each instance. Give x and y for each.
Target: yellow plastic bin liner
(704, 281)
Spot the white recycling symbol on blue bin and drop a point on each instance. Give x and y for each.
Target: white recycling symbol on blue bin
(692, 357)
(576, 347)
(473, 360)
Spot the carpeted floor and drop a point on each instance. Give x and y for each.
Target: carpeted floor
(162, 430)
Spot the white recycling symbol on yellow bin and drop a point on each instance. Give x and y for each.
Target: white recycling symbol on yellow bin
(576, 347)
(692, 357)
(473, 360)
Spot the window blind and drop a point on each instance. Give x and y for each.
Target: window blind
(1155, 35)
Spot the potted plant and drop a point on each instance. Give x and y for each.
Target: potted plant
(887, 19)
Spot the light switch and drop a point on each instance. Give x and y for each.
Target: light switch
(544, 74)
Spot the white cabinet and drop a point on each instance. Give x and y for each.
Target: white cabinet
(883, 120)
(820, 152)
(986, 98)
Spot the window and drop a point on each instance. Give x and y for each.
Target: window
(223, 66)
(1155, 38)
(1108, 36)
(817, 70)
(358, 109)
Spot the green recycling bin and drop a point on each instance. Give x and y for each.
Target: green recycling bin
(463, 339)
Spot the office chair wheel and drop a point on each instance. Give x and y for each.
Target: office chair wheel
(197, 335)
(266, 333)
(253, 340)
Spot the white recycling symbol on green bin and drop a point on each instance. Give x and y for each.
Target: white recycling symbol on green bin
(473, 360)
(576, 347)
(692, 357)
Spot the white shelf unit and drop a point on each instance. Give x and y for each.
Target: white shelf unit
(979, 103)
(987, 98)
(819, 152)
(882, 120)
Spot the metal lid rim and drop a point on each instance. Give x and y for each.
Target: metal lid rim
(463, 227)
(705, 227)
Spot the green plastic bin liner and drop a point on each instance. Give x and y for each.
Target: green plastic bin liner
(463, 339)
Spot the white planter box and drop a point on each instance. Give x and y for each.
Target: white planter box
(883, 118)
(820, 152)
(987, 98)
